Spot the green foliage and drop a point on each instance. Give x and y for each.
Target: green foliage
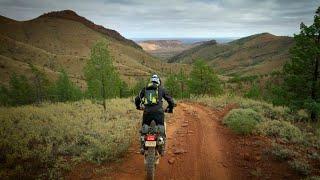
(242, 121)
(276, 95)
(254, 92)
(177, 85)
(313, 178)
(139, 85)
(281, 129)
(238, 78)
(281, 153)
(4, 96)
(64, 90)
(34, 139)
(20, 91)
(124, 90)
(203, 81)
(300, 167)
(40, 84)
(265, 109)
(301, 81)
(103, 81)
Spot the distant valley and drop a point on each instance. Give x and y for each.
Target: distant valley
(167, 48)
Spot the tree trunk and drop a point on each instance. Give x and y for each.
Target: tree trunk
(103, 88)
(314, 114)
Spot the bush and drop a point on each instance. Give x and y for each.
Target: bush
(263, 108)
(301, 167)
(313, 178)
(281, 129)
(36, 137)
(281, 153)
(242, 121)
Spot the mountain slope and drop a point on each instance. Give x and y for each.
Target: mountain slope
(256, 54)
(63, 40)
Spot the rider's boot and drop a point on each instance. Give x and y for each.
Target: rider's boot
(142, 150)
(163, 149)
(164, 135)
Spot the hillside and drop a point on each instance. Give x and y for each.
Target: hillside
(256, 54)
(165, 49)
(63, 39)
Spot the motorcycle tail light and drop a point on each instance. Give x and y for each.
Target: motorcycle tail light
(151, 138)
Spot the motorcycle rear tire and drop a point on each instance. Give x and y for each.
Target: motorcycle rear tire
(150, 165)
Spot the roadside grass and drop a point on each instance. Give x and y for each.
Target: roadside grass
(296, 140)
(302, 167)
(281, 153)
(280, 129)
(49, 137)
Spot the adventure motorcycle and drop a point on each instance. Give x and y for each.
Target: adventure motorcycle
(153, 144)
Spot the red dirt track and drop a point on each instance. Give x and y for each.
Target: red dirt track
(198, 147)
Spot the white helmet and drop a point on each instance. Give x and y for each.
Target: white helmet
(155, 78)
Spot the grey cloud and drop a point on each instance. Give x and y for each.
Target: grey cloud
(180, 18)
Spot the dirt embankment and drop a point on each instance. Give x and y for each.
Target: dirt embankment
(198, 147)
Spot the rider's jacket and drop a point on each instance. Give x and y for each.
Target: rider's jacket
(162, 94)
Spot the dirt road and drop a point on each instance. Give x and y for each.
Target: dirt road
(195, 149)
(198, 147)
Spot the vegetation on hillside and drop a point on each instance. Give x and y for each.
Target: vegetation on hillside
(66, 43)
(201, 81)
(260, 53)
(49, 137)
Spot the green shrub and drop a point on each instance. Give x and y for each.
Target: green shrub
(281, 153)
(263, 108)
(242, 121)
(281, 129)
(300, 167)
(313, 178)
(254, 92)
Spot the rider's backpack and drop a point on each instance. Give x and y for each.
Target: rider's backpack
(151, 95)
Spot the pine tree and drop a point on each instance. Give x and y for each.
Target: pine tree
(103, 81)
(40, 83)
(20, 91)
(124, 90)
(203, 81)
(177, 85)
(64, 90)
(171, 85)
(254, 92)
(4, 96)
(301, 73)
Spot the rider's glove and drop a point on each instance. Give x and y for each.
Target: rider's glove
(168, 110)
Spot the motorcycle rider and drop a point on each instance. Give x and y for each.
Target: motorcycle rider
(151, 97)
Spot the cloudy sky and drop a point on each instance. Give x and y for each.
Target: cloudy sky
(178, 18)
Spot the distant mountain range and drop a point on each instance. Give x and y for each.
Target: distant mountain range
(167, 48)
(256, 54)
(63, 39)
